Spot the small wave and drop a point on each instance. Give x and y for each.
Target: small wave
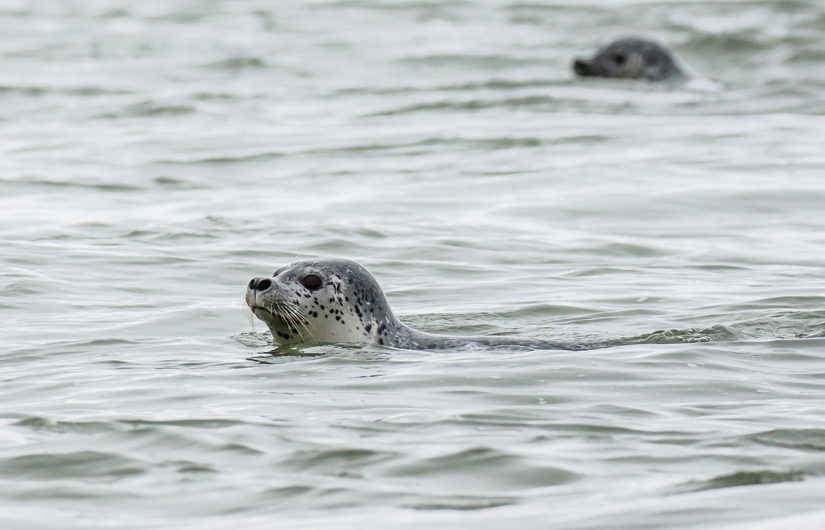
(253, 339)
(241, 449)
(485, 468)
(239, 63)
(117, 12)
(150, 109)
(468, 144)
(173, 183)
(338, 462)
(743, 478)
(535, 102)
(297, 496)
(31, 91)
(718, 333)
(414, 5)
(626, 250)
(80, 464)
(91, 91)
(39, 423)
(493, 84)
(100, 186)
(464, 503)
(289, 353)
(802, 439)
(218, 96)
(779, 325)
(733, 43)
(194, 467)
(197, 423)
(220, 160)
(181, 17)
(37, 91)
(505, 84)
(473, 61)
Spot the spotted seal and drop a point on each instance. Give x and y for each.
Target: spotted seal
(339, 301)
(631, 58)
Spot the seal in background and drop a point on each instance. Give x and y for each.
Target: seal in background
(631, 58)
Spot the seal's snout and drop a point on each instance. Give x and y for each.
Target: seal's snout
(259, 284)
(581, 67)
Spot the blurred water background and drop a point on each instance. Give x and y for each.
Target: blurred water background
(157, 155)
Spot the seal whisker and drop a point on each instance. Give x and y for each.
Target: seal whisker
(302, 323)
(295, 317)
(250, 316)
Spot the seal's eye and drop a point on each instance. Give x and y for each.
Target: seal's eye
(311, 282)
(618, 58)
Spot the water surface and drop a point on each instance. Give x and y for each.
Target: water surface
(158, 155)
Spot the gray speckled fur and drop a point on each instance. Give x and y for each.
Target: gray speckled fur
(631, 58)
(350, 307)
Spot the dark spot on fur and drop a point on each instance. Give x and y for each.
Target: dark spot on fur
(381, 342)
(368, 327)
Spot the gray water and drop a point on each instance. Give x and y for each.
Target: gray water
(157, 155)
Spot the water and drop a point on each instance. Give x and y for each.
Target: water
(158, 155)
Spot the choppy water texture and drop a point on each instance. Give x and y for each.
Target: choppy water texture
(157, 155)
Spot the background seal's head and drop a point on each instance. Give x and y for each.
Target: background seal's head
(631, 58)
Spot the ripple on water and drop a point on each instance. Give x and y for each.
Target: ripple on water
(801, 439)
(482, 469)
(38, 423)
(744, 478)
(78, 465)
(239, 63)
(158, 155)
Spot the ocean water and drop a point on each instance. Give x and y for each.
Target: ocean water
(157, 155)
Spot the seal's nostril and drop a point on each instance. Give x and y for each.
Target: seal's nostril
(259, 284)
(580, 66)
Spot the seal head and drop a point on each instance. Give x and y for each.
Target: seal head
(631, 58)
(323, 301)
(339, 301)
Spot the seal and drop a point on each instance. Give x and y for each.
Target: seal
(631, 58)
(339, 301)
